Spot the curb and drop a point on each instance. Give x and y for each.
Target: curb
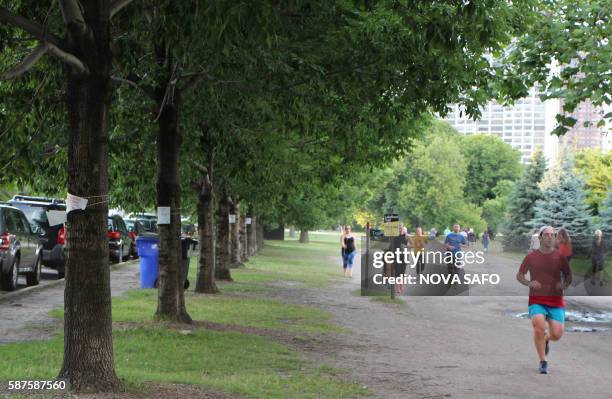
(27, 290)
(40, 287)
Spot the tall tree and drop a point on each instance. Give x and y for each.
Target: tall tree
(563, 205)
(489, 161)
(522, 203)
(86, 55)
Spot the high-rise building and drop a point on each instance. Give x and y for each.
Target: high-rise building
(524, 125)
(590, 136)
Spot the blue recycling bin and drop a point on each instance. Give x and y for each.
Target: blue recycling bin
(148, 252)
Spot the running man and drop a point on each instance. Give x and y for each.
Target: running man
(546, 305)
(454, 242)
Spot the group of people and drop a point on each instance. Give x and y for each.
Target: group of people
(563, 243)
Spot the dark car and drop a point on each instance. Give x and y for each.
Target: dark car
(134, 228)
(52, 238)
(20, 249)
(119, 241)
(147, 220)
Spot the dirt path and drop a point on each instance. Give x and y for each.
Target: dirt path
(26, 317)
(459, 347)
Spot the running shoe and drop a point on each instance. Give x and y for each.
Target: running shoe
(543, 367)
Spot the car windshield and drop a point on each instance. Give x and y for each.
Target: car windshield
(129, 223)
(34, 214)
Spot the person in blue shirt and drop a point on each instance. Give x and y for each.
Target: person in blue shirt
(453, 243)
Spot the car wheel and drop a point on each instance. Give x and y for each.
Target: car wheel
(119, 255)
(9, 280)
(33, 277)
(124, 255)
(134, 251)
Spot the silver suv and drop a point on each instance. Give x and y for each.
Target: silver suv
(20, 249)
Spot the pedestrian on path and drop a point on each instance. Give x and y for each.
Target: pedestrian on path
(598, 253)
(446, 232)
(418, 242)
(534, 244)
(349, 250)
(432, 233)
(399, 267)
(485, 241)
(549, 275)
(454, 243)
(564, 244)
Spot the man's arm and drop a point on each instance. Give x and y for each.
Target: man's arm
(567, 273)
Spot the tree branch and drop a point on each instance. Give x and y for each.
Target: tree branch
(34, 29)
(73, 15)
(117, 5)
(147, 90)
(69, 59)
(27, 63)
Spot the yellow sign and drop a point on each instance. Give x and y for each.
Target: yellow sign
(391, 225)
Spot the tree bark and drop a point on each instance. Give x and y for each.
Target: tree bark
(235, 235)
(260, 235)
(242, 231)
(170, 297)
(222, 271)
(88, 363)
(251, 240)
(292, 231)
(206, 222)
(304, 238)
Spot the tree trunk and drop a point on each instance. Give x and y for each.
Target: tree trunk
(260, 235)
(304, 238)
(292, 231)
(251, 241)
(170, 297)
(242, 231)
(206, 222)
(88, 363)
(222, 271)
(235, 235)
(253, 236)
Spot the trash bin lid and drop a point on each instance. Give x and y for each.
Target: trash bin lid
(147, 237)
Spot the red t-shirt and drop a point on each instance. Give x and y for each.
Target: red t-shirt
(546, 269)
(565, 249)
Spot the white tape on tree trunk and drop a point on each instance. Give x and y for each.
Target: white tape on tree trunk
(163, 215)
(74, 202)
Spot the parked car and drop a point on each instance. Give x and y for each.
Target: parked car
(20, 249)
(134, 228)
(148, 221)
(119, 241)
(52, 238)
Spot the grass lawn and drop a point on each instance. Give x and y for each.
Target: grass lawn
(247, 364)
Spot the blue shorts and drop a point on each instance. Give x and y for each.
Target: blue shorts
(552, 313)
(348, 259)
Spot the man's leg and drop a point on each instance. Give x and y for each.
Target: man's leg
(539, 334)
(555, 330)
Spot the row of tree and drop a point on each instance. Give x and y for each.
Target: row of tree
(265, 108)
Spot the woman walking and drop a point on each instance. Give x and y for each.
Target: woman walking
(418, 245)
(485, 241)
(564, 244)
(598, 252)
(349, 250)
